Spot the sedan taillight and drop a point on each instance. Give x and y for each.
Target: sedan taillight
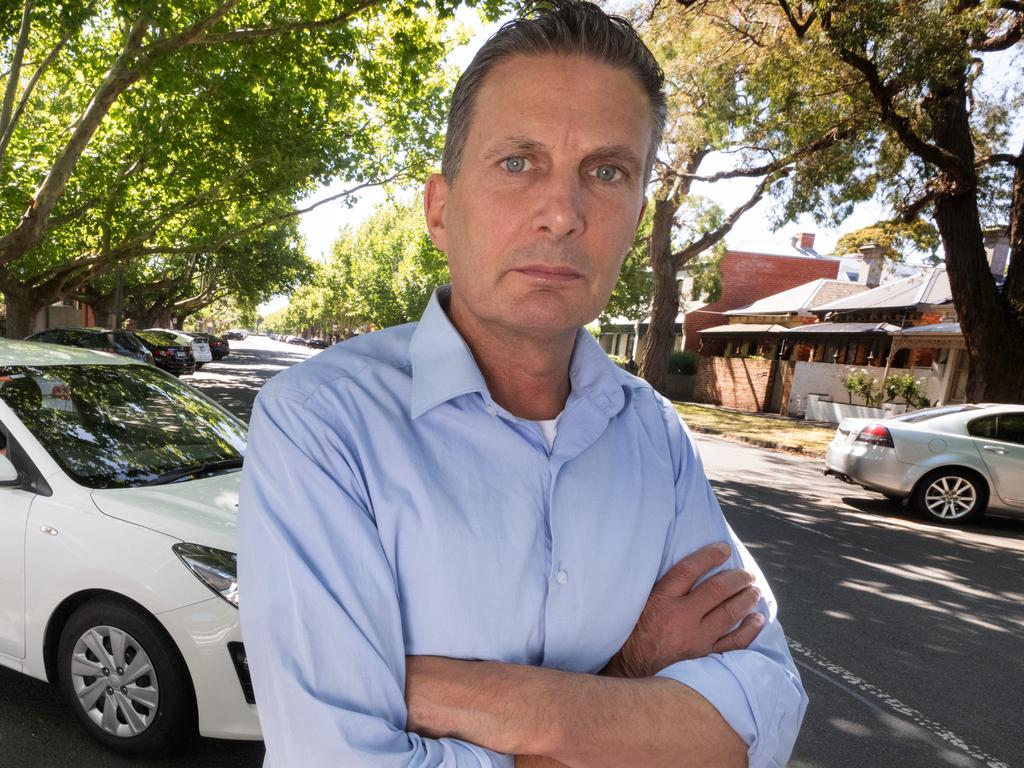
(875, 434)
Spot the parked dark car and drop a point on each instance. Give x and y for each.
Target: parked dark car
(318, 344)
(219, 347)
(168, 353)
(237, 334)
(117, 342)
(297, 341)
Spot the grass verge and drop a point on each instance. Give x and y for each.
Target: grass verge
(758, 429)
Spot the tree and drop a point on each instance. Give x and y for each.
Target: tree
(931, 142)
(716, 88)
(194, 124)
(388, 269)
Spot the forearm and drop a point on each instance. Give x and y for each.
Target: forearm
(576, 719)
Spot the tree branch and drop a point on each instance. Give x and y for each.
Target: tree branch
(701, 244)
(197, 37)
(930, 153)
(119, 77)
(800, 27)
(1006, 40)
(11, 92)
(6, 133)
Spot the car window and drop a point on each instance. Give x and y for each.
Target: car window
(983, 427)
(1011, 428)
(915, 417)
(113, 426)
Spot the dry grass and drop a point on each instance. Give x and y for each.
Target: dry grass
(758, 428)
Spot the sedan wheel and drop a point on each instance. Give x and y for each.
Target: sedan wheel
(125, 679)
(951, 497)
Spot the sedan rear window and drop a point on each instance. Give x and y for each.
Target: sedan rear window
(915, 417)
(119, 426)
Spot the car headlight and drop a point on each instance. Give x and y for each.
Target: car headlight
(216, 568)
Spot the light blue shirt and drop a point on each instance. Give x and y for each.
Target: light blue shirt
(389, 506)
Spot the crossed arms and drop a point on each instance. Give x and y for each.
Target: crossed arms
(625, 716)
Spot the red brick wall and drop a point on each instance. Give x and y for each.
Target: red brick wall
(734, 382)
(747, 277)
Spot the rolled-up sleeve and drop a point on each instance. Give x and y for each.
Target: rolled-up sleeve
(757, 690)
(319, 605)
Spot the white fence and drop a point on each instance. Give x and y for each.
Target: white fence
(826, 381)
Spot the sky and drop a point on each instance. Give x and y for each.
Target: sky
(752, 232)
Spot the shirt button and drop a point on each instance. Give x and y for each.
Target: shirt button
(562, 577)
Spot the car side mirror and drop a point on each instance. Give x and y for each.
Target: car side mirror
(8, 473)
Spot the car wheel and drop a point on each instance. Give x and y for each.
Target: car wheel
(125, 679)
(199, 365)
(951, 496)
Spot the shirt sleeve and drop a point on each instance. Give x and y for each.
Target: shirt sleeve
(757, 690)
(319, 605)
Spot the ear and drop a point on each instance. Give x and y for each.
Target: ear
(435, 201)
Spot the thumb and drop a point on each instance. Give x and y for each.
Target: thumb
(680, 578)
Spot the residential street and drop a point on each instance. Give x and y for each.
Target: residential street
(909, 636)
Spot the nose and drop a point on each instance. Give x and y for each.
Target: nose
(560, 206)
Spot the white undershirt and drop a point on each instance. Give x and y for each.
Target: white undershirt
(549, 428)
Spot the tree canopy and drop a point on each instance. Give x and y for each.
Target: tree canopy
(900, 80)
(143, 131)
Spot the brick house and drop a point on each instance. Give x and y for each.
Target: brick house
(748, 273)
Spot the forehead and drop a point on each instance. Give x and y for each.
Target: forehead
(555, 98)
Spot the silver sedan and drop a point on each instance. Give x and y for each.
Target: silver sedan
(951, 464)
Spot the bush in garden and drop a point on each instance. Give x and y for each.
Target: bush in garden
(682, 361)
(863, 385)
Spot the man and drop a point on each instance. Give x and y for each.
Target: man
(457, 538)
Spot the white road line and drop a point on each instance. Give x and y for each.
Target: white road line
(873, 696)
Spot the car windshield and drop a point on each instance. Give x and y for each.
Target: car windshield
(120, 426)
(913, 417)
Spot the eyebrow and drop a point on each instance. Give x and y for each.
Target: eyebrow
(619, 153)
(512, 144)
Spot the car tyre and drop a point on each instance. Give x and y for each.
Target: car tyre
(142, 706)
(951, 496)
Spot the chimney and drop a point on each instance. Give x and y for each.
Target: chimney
(997, 249)
(804, 241)
(871, 254)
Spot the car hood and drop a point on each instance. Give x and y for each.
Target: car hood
(203, 511)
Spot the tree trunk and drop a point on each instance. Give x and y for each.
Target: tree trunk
(992, 331)
(23, 304)
(665, 299)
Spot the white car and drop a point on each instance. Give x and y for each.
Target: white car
(950, 463)
(118, 493)
(200, 349)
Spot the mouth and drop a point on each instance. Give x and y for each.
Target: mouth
(549, 274)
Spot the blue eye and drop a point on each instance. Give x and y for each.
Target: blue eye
(607, 172)
(515, 164)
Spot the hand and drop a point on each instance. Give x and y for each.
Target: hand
(537, 761)
(680, 621)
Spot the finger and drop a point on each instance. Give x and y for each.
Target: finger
(680, 578)
(723, 586)
(742, 636)
(732, 611)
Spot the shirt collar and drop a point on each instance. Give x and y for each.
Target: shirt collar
(443, 366)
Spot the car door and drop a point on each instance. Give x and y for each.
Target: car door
(14, 509)
(1002, 450)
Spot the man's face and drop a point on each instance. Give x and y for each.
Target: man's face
(549, 195)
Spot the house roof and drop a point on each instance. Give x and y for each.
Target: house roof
(802, 298)
(740, 329)
(839, 329)
(936, 329)
(928, 288)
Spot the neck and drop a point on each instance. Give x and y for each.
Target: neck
(527, 375)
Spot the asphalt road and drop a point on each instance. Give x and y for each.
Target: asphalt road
(909, 637)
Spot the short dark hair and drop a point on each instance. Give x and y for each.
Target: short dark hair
(563, 27)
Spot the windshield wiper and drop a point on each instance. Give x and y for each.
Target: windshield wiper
(207, 468)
